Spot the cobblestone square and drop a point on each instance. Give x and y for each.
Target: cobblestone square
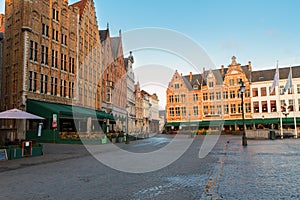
(265, 169)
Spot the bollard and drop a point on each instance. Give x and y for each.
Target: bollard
(127, 139)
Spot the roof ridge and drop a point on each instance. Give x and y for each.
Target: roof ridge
(81, 5)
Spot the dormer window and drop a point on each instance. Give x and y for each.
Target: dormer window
(196, 87)
(211, 84)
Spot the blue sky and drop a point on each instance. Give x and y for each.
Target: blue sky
(260, 31)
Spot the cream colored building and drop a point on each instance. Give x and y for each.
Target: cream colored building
(270, 107)
(154, 113)
(131, 115)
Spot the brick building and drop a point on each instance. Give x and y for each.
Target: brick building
(1, 49)
(114, 80)
(89, 56)
(53, 65)
(2, 17)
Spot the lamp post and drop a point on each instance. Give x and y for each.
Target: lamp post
(127, 128)
(285, 113)
(242, 91)
(189, 121)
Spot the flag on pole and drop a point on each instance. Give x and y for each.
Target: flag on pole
(276, 80)
(289, 83)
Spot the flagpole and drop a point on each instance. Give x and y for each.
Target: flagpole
(279, 94)
(295, 123)
(294, 104)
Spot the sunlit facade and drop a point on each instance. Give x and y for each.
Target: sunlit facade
(212, 99)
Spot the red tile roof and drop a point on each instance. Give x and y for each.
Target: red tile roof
(81, 5)
(144, 92)
(1, 23)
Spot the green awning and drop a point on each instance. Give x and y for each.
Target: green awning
(80, 111)
(104, 115)
(206, 123)
(91, 113)
(190, 123)
(289, 121)
(169, 124)
(212, 123)
(267, 121)
(46, 109)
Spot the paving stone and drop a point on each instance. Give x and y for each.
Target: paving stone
(265, 169)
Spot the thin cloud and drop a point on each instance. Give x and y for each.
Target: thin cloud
(231, 44)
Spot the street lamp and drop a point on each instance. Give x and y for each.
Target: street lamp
(285, 113)
(189, 121)
(127, 128)
(286, 124)
(242, 91)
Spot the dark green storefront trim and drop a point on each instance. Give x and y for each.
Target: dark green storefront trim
(63, 112)
(289, 121)
(183, 124)
(46, 110)
(170, 124)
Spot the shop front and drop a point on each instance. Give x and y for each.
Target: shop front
(66, 123)
(231, 126)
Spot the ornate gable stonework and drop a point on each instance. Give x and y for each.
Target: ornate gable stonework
(217, 94)
(177, 82)
(234, 72)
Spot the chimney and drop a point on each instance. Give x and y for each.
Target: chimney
(250, 69)
(203, 72)
(249, 66)
(223, 70)
(191, 76)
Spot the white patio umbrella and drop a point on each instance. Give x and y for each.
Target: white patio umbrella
(18, 114)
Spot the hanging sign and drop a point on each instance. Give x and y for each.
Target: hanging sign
(54, 121)
(40, 129)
